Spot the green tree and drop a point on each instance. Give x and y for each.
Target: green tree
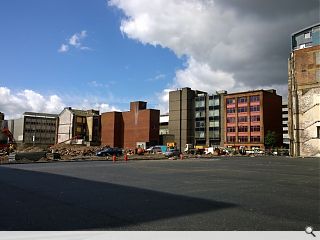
(270, 139)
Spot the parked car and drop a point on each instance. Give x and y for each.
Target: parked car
(110, 152)
(172, 152)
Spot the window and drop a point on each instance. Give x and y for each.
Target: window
(318, 132)
(200, 124)
(242, 109)
(242, 139)
(231, 129)
(200, 114)
(255, 139)
(243, 129)
(242, 100)
(243, 119)
(255, 128)
(317, 57)
(254, 108)
(255, 118)
(231, 101)
(255, 98)
(231, 110)
(199, 134)
(307, 35)
(231, 120)
(200, 104)
(214, 124)
(231, 139)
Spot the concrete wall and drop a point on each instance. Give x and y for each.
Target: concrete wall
(65, 127)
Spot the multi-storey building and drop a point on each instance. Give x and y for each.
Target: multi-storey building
(1, 119)
(285, 136)
(249, 116)
(79, 126)
(195, 117)
(139, 126)
(35, 128)
(304, 92)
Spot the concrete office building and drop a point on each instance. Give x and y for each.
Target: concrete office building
(79, 127)
(285, 136)
(249, 116)
(137, 127)
(164, 134)
(195, 117)
(304, 92)
(34, 128)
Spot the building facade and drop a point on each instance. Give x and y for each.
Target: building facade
(195, 117)
(249, 116)
(285, 136)
(304, 92)
(79, 126)
(34, 128)
(139, 126)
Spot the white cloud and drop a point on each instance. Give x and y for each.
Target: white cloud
(63, 48)
(14, 104)
(75, 41)
(231, 46)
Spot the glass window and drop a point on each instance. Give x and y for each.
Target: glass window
(242, 109)
(200, 124)
(254, 108)
(243, 129)
(255, 118)
(255, 139)
(255, 98)
(242, 99)
(307, 35)
(243, 119)
(231, 110)
(231, 129)
(242, 139)
(231, 100)
(318, 132)
(231, 139)
(255, 128)
(231, 120)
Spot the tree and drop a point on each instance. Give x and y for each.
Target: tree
(270, 139)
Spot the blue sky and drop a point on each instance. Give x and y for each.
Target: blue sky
(103, 54)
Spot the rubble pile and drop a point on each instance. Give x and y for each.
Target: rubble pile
(71, 151)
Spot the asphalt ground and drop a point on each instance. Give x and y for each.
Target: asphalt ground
(225, 193)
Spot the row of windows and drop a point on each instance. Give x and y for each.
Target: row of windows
(243, 119)
(255, 98)
(40, 131)
(244, 109)
(40, 123)
(244, 129)
(213, 134)
(243, 139)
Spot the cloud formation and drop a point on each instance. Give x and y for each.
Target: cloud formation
(228, 45)
(75, 41)
(13, 105)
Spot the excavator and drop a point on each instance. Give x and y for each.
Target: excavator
(7, 142)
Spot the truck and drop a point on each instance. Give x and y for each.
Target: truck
(190, 149)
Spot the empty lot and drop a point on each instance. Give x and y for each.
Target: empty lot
(227, 193)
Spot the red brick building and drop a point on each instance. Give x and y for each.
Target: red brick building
(127, 129)
(249, 116)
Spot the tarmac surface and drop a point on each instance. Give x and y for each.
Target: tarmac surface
(222, 193)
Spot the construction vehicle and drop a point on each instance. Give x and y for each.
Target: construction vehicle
(190, 149)
(7, 142)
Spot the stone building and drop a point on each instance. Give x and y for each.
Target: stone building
(304, 92)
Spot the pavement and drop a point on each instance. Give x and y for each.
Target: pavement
(222, 193)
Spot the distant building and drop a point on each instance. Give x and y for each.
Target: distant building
(34, 128)
(285, 136)
(304, 92)
(137, 127)
(1, 119)
(249, 116)
(79, 126)
(164, 135)
(195, 117)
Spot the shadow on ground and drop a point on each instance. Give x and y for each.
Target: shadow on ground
(32, 200)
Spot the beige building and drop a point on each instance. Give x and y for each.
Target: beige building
(304, 92)
(79, 126)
